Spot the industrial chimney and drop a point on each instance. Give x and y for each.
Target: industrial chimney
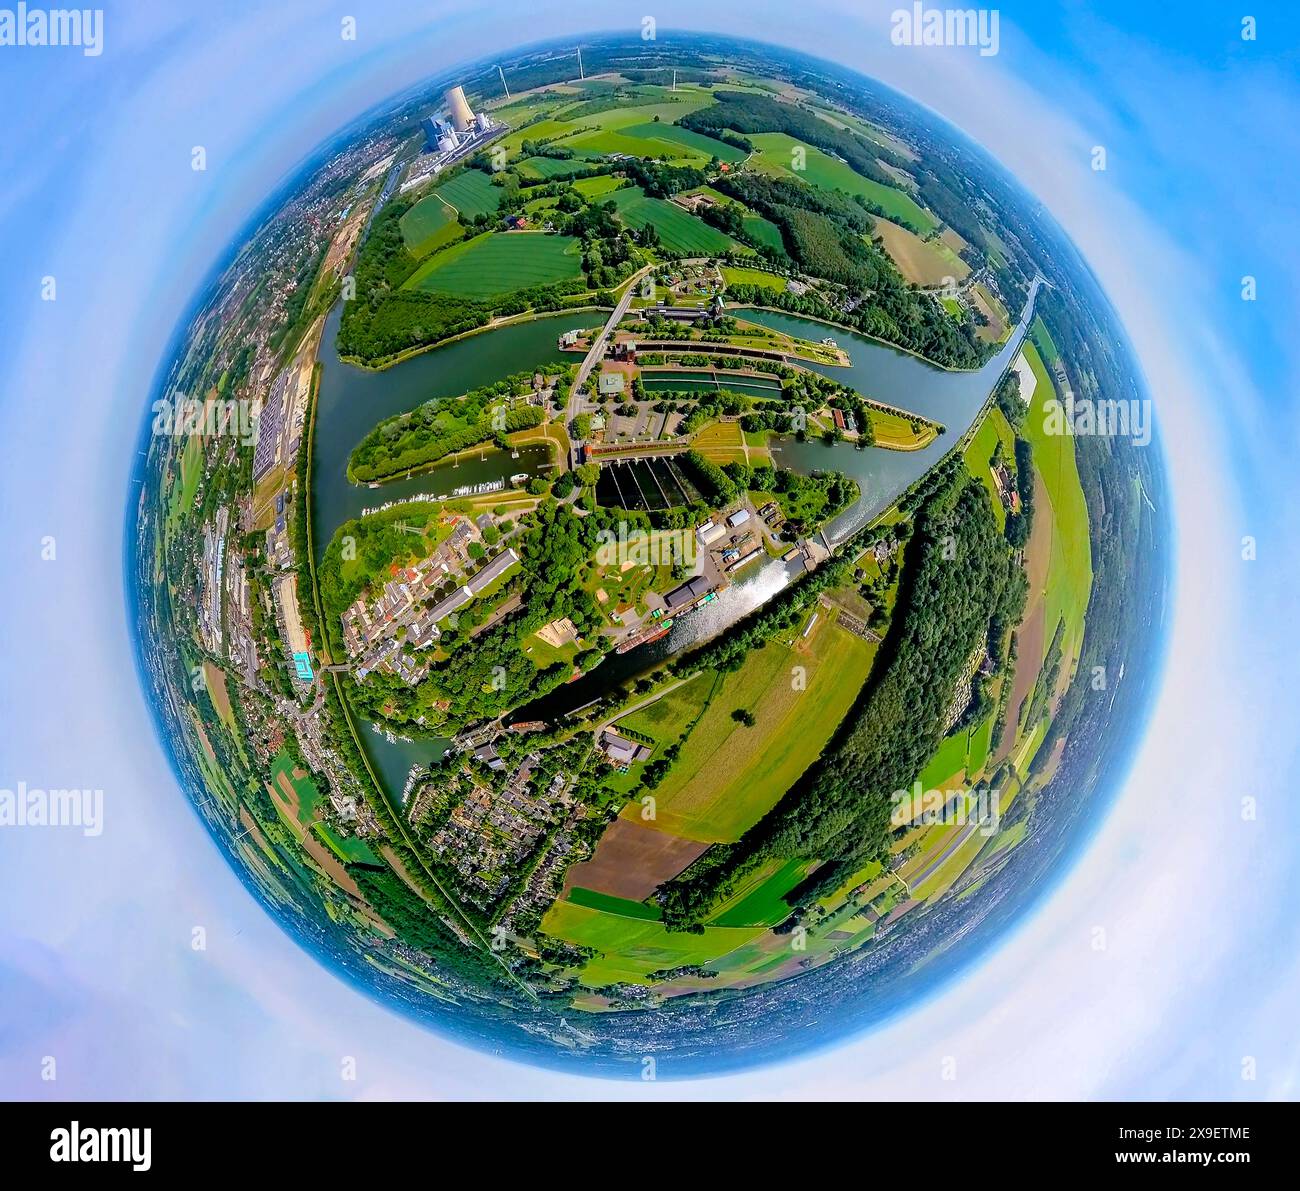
(461, 117)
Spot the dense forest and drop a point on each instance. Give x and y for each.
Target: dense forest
(827, 235)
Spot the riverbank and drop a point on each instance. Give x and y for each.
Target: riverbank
(410, 353)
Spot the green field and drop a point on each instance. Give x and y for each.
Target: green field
(980, 737)
(547, 167)
(595, 900)
(728, 776)
(604, 141)
(683, 138)
(350, 849)
(471, 193)
(679, 230)
(1043, 340)
(765, 905)
(763, 231)
(830, 173)
(947, 762)
(1069, 579)
(597, 186)
(499, 263)
(964, 751)
(669, 716)
(308, 795)
(428, 225)
(637, 946)
(992, 430)
(735, 276)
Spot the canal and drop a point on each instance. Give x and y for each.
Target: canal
(351, 401)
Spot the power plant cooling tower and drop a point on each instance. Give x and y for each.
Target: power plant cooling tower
(461, 117)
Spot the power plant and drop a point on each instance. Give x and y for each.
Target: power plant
(462, 119)
(451, 138)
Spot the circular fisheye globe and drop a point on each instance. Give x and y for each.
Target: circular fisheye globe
(644, 564)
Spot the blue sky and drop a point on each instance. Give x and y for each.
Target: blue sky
(1200, 969)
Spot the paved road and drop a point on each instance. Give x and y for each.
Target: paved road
(594, 355)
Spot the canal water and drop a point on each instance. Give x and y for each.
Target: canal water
(352, 401)
(696, 381)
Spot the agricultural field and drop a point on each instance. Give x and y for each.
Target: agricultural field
(550, 131)
(668, 717)
(499, 263)
(296, 788)
(471, 193)
(763, 231)
(960, 757)
(1042, 339)
(605, 141)
(641, 945)
(600, 185)
(999, 322)
(762, 902)
(429, 225)
(922, 262)
(546, 167)
(821, 169)
(679, 230)
(1070, 571)
(676, 139)
(729, 775)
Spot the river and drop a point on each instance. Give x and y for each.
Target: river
(351, 401)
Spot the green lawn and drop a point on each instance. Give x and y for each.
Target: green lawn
(728, 775)
(830, 173)
(499, 263)
(679, 230)
(736, 276)
(471, 193)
